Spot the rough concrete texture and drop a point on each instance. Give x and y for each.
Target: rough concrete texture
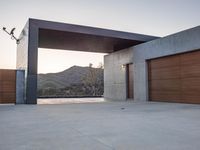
(185, 41)
(115, 75)
(100, 126)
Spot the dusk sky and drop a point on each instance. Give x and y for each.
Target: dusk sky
(152, 17)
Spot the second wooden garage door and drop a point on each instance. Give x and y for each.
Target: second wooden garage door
(175, 78)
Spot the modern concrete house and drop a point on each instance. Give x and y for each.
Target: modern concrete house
(137, 67)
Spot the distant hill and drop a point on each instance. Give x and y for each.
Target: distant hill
(61, 83)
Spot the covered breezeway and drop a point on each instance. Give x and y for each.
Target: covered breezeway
(53, 35)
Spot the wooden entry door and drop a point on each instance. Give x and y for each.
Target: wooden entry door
(129, 74)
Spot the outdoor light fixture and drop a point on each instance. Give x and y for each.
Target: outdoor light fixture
(11, 33)
(123, 66)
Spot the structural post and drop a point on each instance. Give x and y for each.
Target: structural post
(20, 86)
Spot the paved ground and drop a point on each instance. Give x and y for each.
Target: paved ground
(100, 126)
(68, 100)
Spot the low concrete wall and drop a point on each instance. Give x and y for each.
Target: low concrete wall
(115, 75)
(185, 41)
(20, 87)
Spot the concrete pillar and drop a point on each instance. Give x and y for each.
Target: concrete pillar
(20, 87)
(140, 74)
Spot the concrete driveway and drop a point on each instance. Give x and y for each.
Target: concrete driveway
(100, 126)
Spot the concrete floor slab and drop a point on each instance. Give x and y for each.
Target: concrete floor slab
(69, 100)
(100, 126)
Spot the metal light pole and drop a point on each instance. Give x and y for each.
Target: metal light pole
(11, 33)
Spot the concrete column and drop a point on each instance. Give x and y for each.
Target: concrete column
(20, 86)
(140, 74)
(27, 51)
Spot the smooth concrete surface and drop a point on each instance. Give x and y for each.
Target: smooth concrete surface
(56, 35)
(20, 86)
(185, 41)
(100, 126)
(115, 74)
(69, 100)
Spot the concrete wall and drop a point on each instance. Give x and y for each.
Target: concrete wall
(115, 75)
(185, 41)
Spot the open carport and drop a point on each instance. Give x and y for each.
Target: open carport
(100, 126)
(54, 35)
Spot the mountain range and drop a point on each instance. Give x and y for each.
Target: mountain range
(74, 75)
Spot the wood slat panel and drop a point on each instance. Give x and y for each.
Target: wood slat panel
(178, 82)
(190, 86)
(7, 86)
(165, 62)
(191, 90)
(0, 98)
(165, 73)
(8, 75)
(165, 96)
(190, 58)
(8, 97)
(1, 87)
(193, 99)
(190, 71)
(165, 85)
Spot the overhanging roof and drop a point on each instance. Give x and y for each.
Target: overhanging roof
(56, 35)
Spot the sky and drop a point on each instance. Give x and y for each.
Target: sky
(63, 59)
(151, 17)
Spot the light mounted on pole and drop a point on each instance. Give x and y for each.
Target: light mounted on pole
(11, 33)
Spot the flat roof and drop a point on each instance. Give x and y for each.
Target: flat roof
(55, 35)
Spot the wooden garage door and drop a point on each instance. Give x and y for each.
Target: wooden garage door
(7, 86)
(175, 78)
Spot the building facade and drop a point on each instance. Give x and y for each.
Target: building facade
(137, 67)
(165, 69)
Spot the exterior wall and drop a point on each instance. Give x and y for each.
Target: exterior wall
(115, 74)
(185, 41)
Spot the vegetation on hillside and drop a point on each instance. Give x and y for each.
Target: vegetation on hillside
(74, 82)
